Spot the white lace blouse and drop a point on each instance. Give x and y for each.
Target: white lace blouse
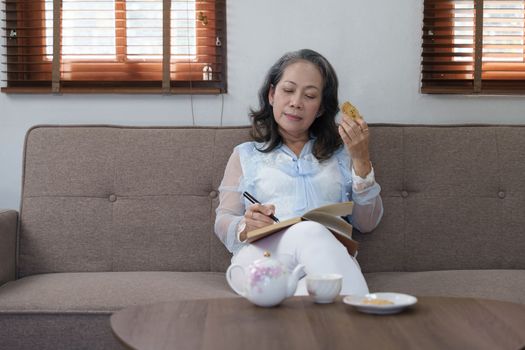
(294, 185)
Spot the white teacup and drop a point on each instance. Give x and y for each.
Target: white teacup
(324, 288)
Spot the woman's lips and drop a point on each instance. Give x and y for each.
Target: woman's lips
(292, 117)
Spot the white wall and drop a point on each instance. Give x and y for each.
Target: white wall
(358, 37)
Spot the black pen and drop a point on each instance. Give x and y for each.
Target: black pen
(255, 201)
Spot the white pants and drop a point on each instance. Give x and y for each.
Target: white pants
(308, 243)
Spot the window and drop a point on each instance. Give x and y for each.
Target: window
(143, 46)
(473, 46)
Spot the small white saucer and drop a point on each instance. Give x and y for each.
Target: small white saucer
(399, 302)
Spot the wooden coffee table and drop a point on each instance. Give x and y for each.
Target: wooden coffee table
(298, 323)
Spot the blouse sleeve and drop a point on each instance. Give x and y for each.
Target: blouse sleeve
(230, 211)
(368, 206)
(364, 192)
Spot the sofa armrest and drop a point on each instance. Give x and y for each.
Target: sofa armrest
(8, 225)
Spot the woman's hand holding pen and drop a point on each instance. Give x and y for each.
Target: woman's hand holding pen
(258, 215)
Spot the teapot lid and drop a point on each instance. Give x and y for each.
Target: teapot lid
(267, 260)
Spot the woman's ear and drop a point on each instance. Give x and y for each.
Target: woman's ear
(271, 93)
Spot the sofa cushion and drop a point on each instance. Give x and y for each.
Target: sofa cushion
(107, 198)
(105, 292)
(505, 285)
(453, 198)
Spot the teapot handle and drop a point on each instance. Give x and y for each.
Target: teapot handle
(231, 283)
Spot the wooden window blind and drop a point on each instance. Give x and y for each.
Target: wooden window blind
(114, 46)
(473, 47)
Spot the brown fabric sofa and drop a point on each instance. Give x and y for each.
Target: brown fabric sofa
(113, 216)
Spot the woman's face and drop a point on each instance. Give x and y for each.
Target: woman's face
(296, 99)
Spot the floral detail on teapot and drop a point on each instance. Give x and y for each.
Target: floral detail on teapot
(262, 275)
(265, 282)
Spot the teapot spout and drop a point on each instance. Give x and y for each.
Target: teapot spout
(297, 273)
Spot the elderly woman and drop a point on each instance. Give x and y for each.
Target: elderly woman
(299, 159)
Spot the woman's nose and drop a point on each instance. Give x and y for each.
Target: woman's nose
(296, 101)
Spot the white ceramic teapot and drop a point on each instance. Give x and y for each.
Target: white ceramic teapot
(267, 281)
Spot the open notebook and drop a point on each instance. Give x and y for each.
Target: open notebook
(329, 215)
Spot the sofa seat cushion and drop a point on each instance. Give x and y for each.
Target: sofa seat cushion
(104, 292)
(507, 285)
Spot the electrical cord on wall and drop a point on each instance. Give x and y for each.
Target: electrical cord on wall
(193, 113)
(222, 107)
(190, 64)
(191, 84)
(191, 102)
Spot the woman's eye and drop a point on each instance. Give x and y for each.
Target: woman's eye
(311, 97)
(288, 90)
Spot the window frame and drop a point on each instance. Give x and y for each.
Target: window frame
(507, 78)
(36, 74)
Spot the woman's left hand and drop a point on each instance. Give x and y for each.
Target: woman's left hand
(354, 133)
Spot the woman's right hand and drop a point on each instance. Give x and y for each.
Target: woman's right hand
(257, 216)
(354, 133)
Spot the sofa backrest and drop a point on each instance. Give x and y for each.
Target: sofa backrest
(112, 198)
(454, 198)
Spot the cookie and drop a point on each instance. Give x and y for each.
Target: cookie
(348, 109)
